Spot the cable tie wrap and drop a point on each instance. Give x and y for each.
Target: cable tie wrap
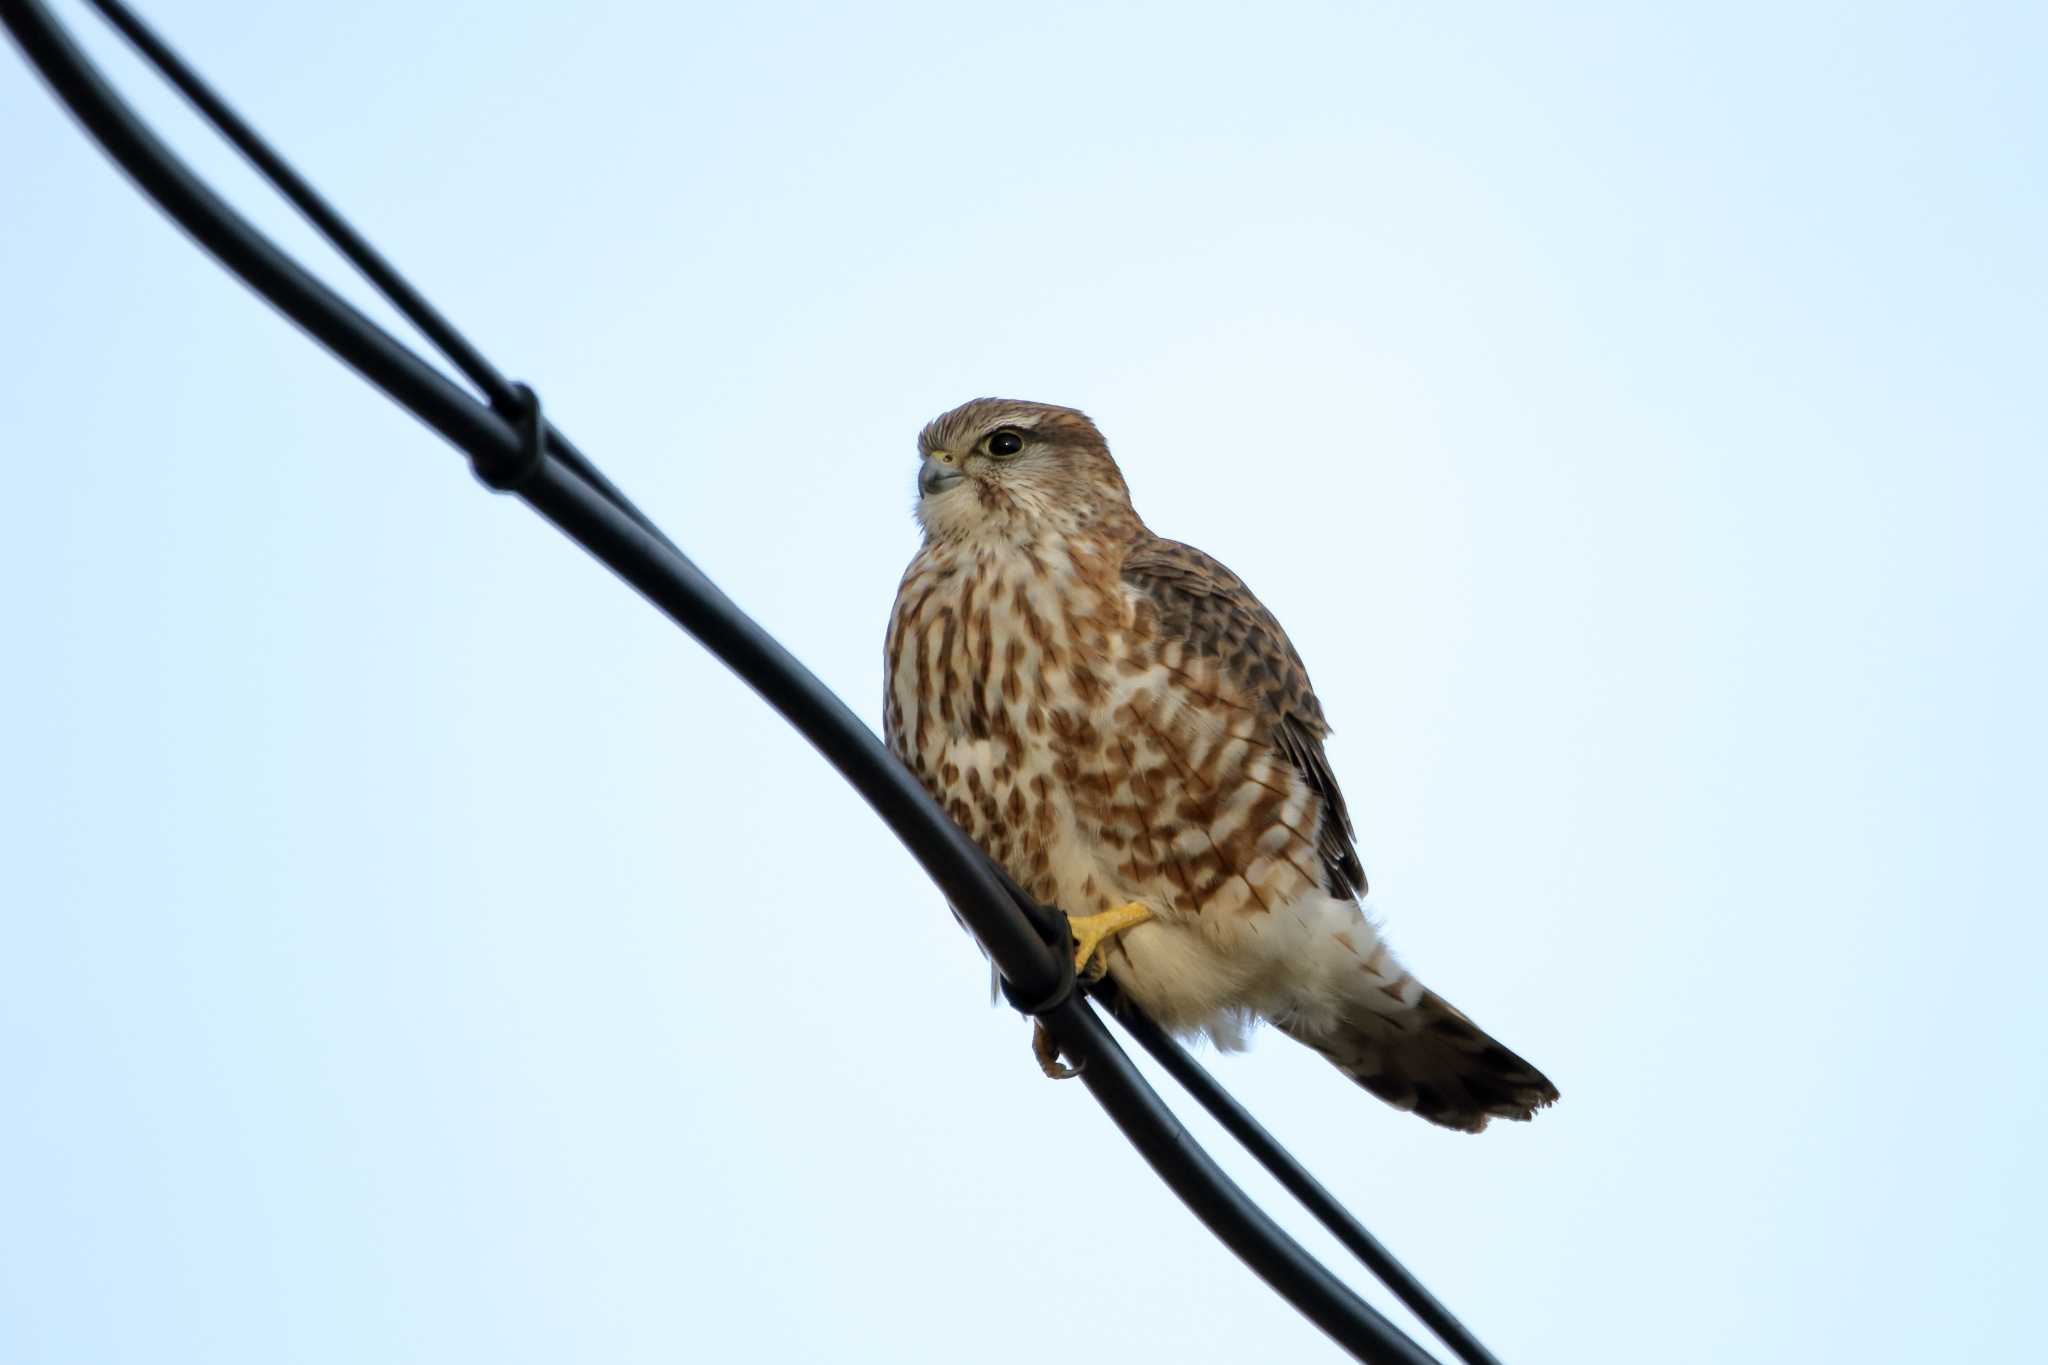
(1051, 925)
(508, 476)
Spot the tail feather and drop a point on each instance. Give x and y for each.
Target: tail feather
(1423, 1055)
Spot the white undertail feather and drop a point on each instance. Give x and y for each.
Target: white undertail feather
(1318, 970)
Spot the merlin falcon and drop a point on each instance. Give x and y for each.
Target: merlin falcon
(1115, 719)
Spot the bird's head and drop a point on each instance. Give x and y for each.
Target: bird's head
(1003, 468)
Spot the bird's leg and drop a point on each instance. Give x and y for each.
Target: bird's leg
(1048, 1053)
(1091, 932)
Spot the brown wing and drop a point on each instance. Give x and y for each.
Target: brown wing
(1210, 610)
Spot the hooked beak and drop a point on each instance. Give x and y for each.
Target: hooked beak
(938, 473)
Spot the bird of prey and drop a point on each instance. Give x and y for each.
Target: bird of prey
(1118, 721)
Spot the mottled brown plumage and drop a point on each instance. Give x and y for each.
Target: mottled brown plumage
(1205, 605)
(1117, 719)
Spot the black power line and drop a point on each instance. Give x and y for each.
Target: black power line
(514, 449)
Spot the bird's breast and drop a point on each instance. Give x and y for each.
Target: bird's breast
(1037, 706)
(1002, 666)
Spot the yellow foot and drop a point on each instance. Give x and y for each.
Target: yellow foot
(1048, 1054)
(1091, 932)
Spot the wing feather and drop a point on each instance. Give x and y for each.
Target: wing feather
(1210, 611)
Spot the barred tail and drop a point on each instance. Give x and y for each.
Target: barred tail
(1413, 1049)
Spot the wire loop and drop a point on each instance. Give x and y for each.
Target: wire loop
(510, 475)
(1062, 946)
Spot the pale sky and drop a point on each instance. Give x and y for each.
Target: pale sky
(414, 948)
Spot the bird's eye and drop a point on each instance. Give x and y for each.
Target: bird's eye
(1005, 443)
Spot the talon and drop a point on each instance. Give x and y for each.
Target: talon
(1093, 932)
(1048, 1054)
